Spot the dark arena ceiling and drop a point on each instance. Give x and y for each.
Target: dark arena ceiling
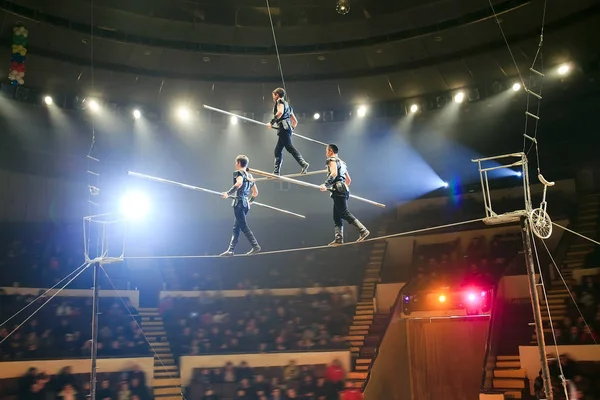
(222, 51)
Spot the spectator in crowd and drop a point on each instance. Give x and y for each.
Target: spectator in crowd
(351, 392)
(335, 374)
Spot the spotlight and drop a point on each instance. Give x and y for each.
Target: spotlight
(414, 108)
(183, 113)
(459, 97)
(362, 111)
(516, 87)
(342, 7)
(471, 297)
(137, 114)
(48, 100)
(135, 205)
(519, 174)
(564, 69)
(316, 116)
(445, 184)
(234, 120)
(442, 299)
(94, 105)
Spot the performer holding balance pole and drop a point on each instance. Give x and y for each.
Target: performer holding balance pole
(242, 186)
(338, 182)
(285, 122)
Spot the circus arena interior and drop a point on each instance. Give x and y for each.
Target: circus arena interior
(468, 266)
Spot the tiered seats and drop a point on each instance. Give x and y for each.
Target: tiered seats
(257, 323)
(62, 329)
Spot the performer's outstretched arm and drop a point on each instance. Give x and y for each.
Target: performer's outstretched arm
(238, 184)
(294, 121)
(348, 179)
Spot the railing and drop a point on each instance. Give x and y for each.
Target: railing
(397, 302)
(495, 315)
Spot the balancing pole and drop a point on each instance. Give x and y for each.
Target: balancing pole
(199, 189)
(258, 122)
(310, 185)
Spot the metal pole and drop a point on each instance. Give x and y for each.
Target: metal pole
(310, 185)
(259, 123)
(199, 189)
(94, 332)
(535, 303)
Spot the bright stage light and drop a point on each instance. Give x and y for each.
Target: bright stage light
(342, 7)
(94, 105)
(414, 108)
(564, 69)
(233, 120)
(445, 184)
(135, 205)
(459, 97)
(362, 111)
(183, 113)
(316, 116)
(48, 100)
(516, 87)
(137, 114)
(442, 299)
(519, 174)
(471, 297)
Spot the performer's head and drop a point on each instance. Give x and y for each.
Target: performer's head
(241, 162)
(331, 150)
(278, 93)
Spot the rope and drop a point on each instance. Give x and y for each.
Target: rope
(44, 304)
(156, 355)
(301, 249)
(539, 267)
(576, 233)
(507, 44)
(41, 295)
(569, 291)
(276, 48)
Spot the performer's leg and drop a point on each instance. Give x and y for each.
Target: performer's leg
(338, 224)
(247, 232)
(342, 205)
(289, 146)
(234, 237)
(278, 153)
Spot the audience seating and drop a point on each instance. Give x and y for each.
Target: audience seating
(257, 323)
(62, 329)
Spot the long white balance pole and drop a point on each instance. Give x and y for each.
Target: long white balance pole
(199, 189)
(258, 122)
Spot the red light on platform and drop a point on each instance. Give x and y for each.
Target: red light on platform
(471, 297)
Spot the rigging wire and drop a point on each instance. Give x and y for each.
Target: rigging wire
(42, 295)
(543, 285)
(156, 355)
(576, 233)
(300, 249)
(570, 293)
(532, 76)
(276, 48)
(44, 304)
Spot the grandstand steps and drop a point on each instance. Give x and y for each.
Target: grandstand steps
(509, 377)
(166, 384)
(512, 373)
(359, 328)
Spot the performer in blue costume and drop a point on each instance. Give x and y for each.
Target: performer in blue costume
(243, 187)
(338, 183)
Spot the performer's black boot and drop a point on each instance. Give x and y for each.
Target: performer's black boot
(339, 236)
(229, 252)
(362, 231)
(277, 163)
(304, 169)
(253, 242)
